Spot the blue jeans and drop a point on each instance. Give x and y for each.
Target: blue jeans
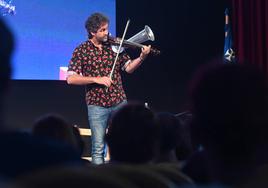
(98, 117)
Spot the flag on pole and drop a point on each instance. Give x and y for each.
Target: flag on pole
(228, 54)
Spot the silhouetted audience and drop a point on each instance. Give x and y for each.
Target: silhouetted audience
(230, 122)
(20, 152)
(131, 138)
(131, 134)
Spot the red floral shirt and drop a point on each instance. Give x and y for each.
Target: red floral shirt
(88, 60)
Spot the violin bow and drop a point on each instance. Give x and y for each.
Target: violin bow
(117, 54)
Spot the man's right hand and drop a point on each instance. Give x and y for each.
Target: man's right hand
(106, 81)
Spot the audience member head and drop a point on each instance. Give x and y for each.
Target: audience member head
(230, 110)
(131, 134)
(56, 128)
(168, 131)
(79, 140)
(171, 138)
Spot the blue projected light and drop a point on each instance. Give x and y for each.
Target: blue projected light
(46, 33)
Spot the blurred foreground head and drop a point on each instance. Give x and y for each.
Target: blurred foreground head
(230, 108)
(6, 48)
(131, 134)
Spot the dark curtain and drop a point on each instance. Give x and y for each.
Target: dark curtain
(250, 31)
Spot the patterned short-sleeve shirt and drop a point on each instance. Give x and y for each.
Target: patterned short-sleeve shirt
(88, 60)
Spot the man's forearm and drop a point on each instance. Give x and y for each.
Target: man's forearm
(76, 79)
(133, 65)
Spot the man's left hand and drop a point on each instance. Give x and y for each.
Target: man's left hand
(145, 51)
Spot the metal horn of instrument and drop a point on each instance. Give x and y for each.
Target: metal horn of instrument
(144, 35)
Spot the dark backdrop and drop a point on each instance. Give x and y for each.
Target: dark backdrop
(188, 33)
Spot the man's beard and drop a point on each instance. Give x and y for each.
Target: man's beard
(103, 39)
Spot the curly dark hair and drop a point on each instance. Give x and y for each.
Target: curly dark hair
(94, 22)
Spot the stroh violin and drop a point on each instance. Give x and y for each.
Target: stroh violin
(135, 41)
(118, 44)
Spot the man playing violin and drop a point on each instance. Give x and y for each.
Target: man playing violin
(91, 65)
